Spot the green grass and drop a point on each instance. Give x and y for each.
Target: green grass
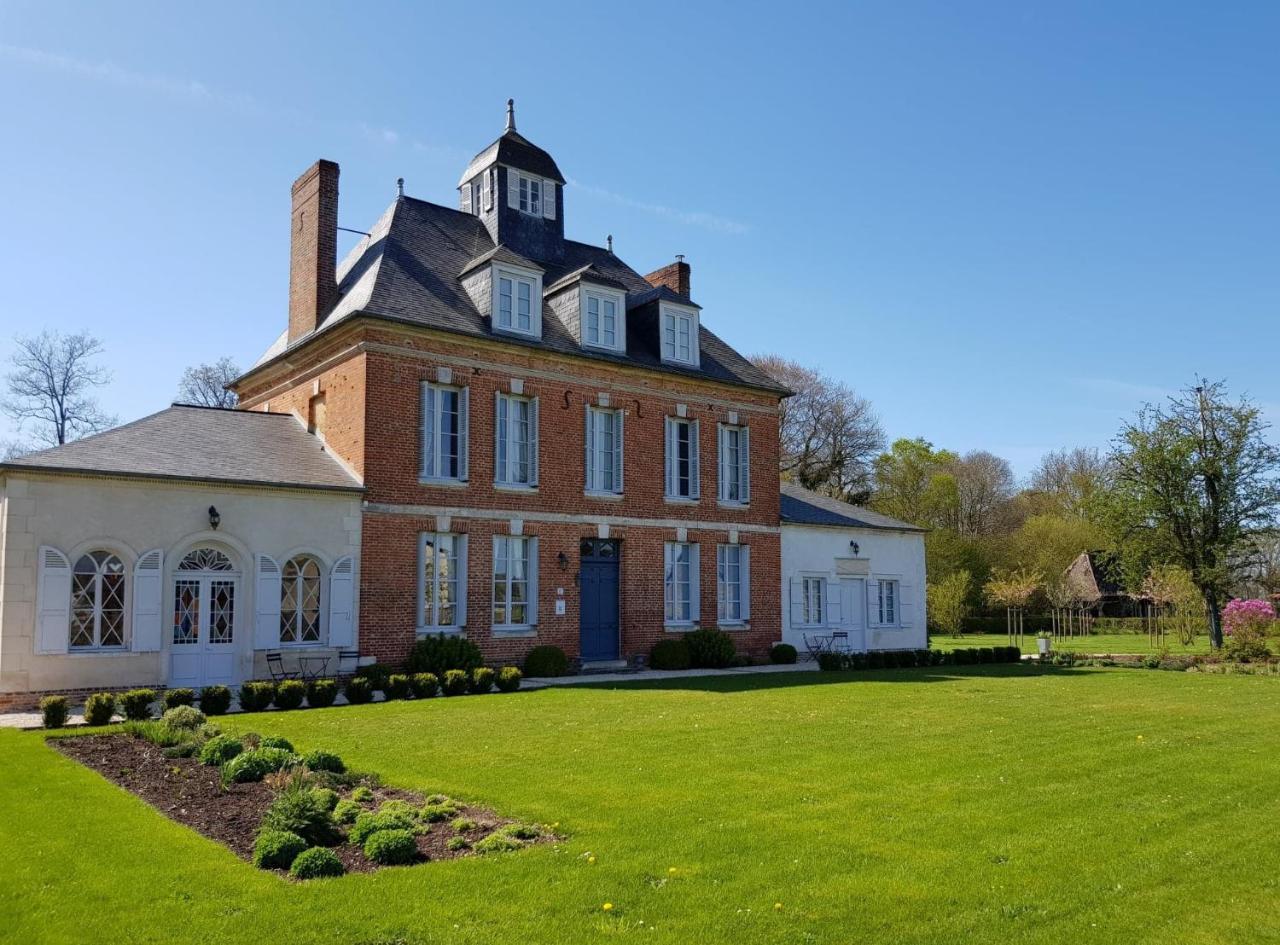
(1094, 643)
(987, 804)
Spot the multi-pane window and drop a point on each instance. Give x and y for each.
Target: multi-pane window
(733, 583)
(530, 195)
(604, 450)
(682, 458)
(735, 464)
(680, 583)
(442, 568)
(300, 601)
(517, 297)
(516, 441)
(444, 432)
(813, 603)
(888, 599)
(602, 322)
(515, 566)
(679, 337)
(97, 601)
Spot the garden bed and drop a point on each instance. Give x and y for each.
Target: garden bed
(194, 795)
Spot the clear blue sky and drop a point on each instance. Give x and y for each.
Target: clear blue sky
(1008, 224)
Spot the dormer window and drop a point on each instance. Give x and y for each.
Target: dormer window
(604, 322)
(517, 301)
(679, 327)
(535, 196)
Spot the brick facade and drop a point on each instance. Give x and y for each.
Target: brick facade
(370, 375)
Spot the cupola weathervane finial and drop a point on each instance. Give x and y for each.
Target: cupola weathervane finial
(511, 114)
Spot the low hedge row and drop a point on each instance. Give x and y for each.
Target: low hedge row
(906, 659)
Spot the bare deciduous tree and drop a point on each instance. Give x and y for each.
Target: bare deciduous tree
(984, 488)
(206, 384)
(829, 435)
(1068, 479)
(51, 387)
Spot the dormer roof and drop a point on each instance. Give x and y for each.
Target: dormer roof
(514, 150)
(501, 254)
(658, 293)
(588, 273)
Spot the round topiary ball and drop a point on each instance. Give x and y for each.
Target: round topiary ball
(546, 660)
(220, 749)
(185, 717)
(320, 760)
(783, 654)
(276, 741)
(391, 847)
(316, 863)
(277, 849)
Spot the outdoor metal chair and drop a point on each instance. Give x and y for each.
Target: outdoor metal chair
(275, 664)
(840, 640)
(348, 662)
(816, 645)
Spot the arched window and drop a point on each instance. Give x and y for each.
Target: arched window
(206, 559)
(97, 601)
(300, 601)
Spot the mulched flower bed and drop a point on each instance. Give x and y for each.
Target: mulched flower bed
(192, 794)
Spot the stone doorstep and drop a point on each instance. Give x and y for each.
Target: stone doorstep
(605, 666)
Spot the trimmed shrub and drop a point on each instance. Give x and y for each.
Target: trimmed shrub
(463, 824)
(276, 741)
(274, 850)
(783, 654)
(99, 708)
(326, 797)
(424, 685)
(346, 811)
(173, 698)
(220, 749)
(321, 760)
(497, 842)
(289, 694)
(454, 844)
(710, 648)
(53, 711)
(256, 764)
(358, 690)
(830, 662)
(455, 682)
(321, 693)
(391, 847)
(135, 705)
(671, 653)
(185, 717)
(546, 660)
(440, 653)
(369, 823)
(376, 673)
(362, 794)
(509, 679)
(256, 696)
(521, 831)
(436, 813)
(481, 680)
(398, 686)
(298, 810)
(215, 700)
(316, 863)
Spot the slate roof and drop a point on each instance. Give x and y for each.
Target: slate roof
(800, 506)
(202, 444)
(514, 150)
(407, 270)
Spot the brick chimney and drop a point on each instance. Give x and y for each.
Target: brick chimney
(675, 277)
(313, 248)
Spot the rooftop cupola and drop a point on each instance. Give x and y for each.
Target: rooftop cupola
(517, 190)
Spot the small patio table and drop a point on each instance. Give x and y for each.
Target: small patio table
(313, 667)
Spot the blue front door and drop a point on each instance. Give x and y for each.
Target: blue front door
(598, 610)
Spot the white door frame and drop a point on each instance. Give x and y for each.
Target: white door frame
(853, 611)
(206, 661)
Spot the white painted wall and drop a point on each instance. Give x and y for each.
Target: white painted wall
(77, 514)
(825, 553)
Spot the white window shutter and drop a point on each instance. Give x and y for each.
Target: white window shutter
(428, 426)
(744, 459)
(513, 189)
(53, 609)
(499, 434)
(744, 581)
(834, 603)
(695, 462)
(906, 605)
(617, 452)
(533, 442)
(669, 436)
(588, 437)
(722, 489)
(342, 603)
(873, 603)
(148, 584)
(797, 602)
(695, 582)
(466, 197)
(460, 543)
(549, 199)
(667, 574)
(533, 581)
(266, 604)
(464, 433)
(487, 188)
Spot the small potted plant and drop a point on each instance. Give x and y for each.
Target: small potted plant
(1044, 641)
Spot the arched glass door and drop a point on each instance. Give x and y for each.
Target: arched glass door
(202, 651)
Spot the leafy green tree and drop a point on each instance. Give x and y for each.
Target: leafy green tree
(948, 602)
(1047, 544)
(914, 482)
(1195, 484)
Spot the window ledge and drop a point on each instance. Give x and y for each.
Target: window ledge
(607, 496)
(447, 483)
(101, 652)
(735, 625)
(680, 499)
(605, 348)
(432, 631)
(293, 647)
(679, 627)
(515, 487)
(730, 504)
(515, 632)
(515, 332)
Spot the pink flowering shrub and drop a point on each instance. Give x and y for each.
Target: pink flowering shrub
(1245, 624)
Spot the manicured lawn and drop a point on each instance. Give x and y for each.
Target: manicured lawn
(985, 804)
(1094, 643)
